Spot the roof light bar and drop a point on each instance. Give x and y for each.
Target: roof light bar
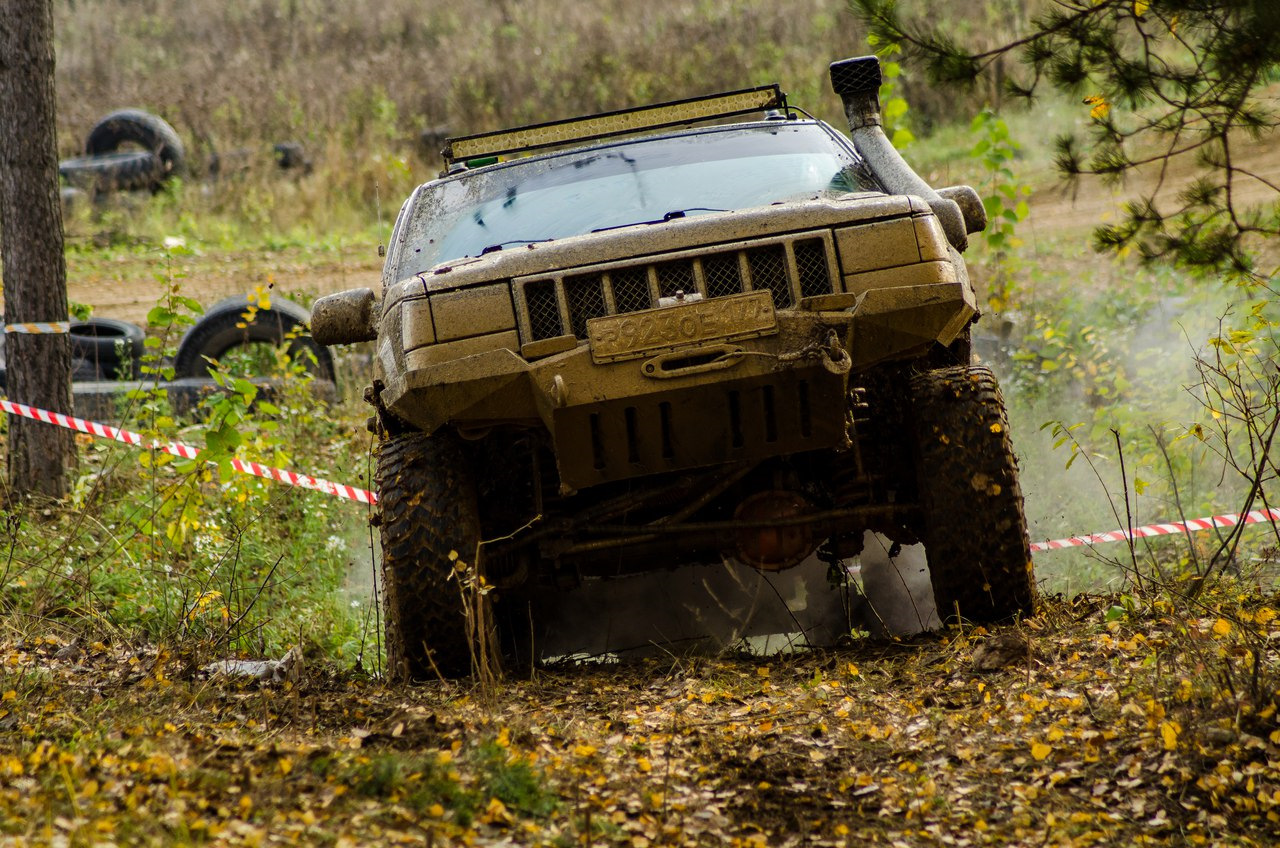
(621, 122)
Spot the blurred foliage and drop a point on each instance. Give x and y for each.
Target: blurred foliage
(1173, 89)
(172, 549)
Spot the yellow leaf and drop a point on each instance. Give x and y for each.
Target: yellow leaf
(1265, 615)
(584, 750)
(435, 811)
(9, 695)
(1221, 627)
(286, 765)
(496, 812)
(1140, 7)
(1169, 731)
(1039, 750)
(1099, 107)
(644, 765)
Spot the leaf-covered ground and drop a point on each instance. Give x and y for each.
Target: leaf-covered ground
(1091, 724)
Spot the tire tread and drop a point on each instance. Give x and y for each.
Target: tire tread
(975, 531)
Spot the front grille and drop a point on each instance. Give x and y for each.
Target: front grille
(543, 312)
(723, 274)
(585, 298)
(631, 289)
(789, 268)
(811, 266)
(675, 277)
(769, 271)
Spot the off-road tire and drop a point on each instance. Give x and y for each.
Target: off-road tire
(973, 526)
(127, 170)
(150, 132)
(223, 327)
(428, 510)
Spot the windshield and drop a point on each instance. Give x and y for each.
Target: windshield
(632, 182)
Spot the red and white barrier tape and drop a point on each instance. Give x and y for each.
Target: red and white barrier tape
(364, 496)
(39, 327)
(1191, 525)
(104, 431)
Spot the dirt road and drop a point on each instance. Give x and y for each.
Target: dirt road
(128, 286)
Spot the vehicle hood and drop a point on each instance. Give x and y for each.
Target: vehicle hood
(652, 239)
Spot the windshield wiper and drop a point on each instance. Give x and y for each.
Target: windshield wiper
(670, 216)
(493, 248)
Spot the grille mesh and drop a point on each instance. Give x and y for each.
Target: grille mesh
(811, 267)
(586, 300)
(631, 289)
(722, 274)
(674, 277)
(769, 271)
(544, 312)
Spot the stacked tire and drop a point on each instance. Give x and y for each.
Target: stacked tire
(128, 150)
(234, 322)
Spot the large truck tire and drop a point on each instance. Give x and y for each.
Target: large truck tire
(429, 518)
(973, 527)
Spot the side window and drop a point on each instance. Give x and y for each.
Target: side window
(395, 244)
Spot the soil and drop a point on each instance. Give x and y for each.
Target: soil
(1059, 731)
(128, 287)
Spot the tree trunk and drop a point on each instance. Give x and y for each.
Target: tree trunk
(35, 271)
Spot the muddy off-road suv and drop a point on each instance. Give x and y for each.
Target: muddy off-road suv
(666, 338)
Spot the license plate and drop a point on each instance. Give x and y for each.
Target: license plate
(634, 334)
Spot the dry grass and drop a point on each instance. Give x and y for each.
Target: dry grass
(241, 73)
(359, 83)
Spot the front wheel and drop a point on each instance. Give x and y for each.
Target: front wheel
(974, 529)
(429, 520)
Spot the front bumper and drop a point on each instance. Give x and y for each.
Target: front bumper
(777, 394)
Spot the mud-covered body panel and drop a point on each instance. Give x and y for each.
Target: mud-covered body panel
(460, 347)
